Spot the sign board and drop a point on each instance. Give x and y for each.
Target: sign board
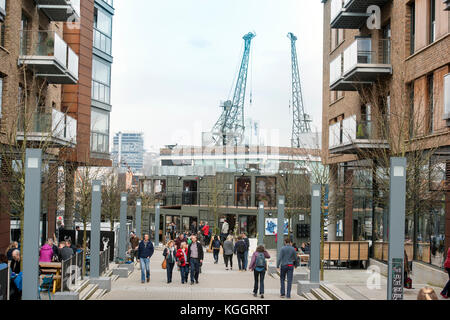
(271, 224)
(397, 279)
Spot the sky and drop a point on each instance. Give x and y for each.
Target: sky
(176, 60)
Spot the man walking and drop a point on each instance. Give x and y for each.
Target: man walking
(145, 252)
(288, 261)
(239, 250)
(195, 258)
(224, 231)
(247, 246)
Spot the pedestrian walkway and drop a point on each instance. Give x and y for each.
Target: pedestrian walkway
(215, 283)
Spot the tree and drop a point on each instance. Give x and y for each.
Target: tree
(111, 198)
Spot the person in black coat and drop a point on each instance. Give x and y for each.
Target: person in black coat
(195, 258)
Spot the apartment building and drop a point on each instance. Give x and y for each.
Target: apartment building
(47, 48)
(386, 92)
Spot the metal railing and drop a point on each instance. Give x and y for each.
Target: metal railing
(360, 52)
(43, 43)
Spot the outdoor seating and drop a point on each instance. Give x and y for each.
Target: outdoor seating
(345, 252)
(53, 269)
(46, 285)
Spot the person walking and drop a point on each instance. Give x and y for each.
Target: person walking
(228, 250)
(239, 250)
(258, 265)
(13, 246)
(247, 247)
(179, 240)
(287, 261)
(205, 231)
(446, 291)
(224, 231)
(170, 256)
(183, 262)
(215, 246)
(145, 252)
(195, 258)
(134, 242)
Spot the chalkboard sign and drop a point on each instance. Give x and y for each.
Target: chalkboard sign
(107, 239)
(397, 279)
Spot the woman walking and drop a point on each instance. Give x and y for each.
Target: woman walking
(182, 262)
(446, 290)
(259, 266)
(169, 255)
(228, 251)
(215, 246)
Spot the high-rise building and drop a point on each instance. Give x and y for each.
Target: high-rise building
(128, 150)
(53, 92)
(386, 92)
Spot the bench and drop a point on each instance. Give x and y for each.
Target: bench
(346, 251)
(54, 268)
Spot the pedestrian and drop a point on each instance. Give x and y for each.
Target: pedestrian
(215, 246)
(258, 265)
(445, 293)
(180, 239)
(194, 227)
(15, 261)
(183, 262)
(206, 233)
(169, 254)
(427, 294)
(288, 261)
(46, 252)
(12, 246)
(195, 258)
(15, 283)
(134, 242)
(247, 247)
(145, 252)
(228, 250)
(239, 250)
(224, 231)
(67, 251)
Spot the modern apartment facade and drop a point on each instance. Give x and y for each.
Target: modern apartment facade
(128, 151)
(386, 92)
(46, 80)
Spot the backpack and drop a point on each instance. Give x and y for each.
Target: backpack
(260, 261)
(241, 247)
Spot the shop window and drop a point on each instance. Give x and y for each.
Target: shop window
(189, 192)
(266, 191)
(242, 192)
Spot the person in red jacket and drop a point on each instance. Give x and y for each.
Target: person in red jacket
(183, 262)
(446, 290)
(205, 231)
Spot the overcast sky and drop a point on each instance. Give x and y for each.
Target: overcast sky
(175, 60)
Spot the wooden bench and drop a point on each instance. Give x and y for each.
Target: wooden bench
(346, 251)
(48, 268)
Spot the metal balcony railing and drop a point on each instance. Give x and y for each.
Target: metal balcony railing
(60, 10)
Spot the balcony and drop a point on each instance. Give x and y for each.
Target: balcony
(60, 10)
(351, 14)
(54, 129)
(2, 10)
(49, 57)
(353, 137)
(447, 5)
(359, 65)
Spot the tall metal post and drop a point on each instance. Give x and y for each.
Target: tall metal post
(261, 223)
(95, 228)
(280, 225)
(138, 217)
(397, 198)
(32, 214)
(315, 234)
(157, 212)
(123, 226)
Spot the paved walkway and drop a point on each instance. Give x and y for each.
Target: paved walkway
(215, 283)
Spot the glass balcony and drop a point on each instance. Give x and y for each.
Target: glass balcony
(361, 65)
(351, 14)
(54, 129)
(49, 56)
(2, 10)
(352, 137)
(60, 10)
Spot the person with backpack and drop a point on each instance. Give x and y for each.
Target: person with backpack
(239, 249)
(228, 252)
(215, 246)
(258, 265)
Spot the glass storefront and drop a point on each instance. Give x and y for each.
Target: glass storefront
(243, 192)
(266, 191)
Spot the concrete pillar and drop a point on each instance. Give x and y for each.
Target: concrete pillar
(253, 191)
(32, 208)
(157, 213)
(138, 216)
(280, 226)
(123, 226)
(397, 199)
(52, 202)
(261, 225)
(95, 228)
(69, 176)
(315, 233)
(348, 207)
(332, 203)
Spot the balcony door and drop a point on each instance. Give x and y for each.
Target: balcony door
(364, 50)
(386, 43)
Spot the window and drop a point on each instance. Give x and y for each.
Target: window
(1, 95)
(432, 20)
(411, 110)
(99, 131)
(412, 28)
(430, 82)
(2, 34)
(102, 30)
(101, 79)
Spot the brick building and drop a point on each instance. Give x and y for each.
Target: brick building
(47, 49)
(386, 92)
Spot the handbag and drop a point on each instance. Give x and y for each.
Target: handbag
(164, 264)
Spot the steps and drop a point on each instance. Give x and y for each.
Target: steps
(320, 294)
(309, 296)
(88, 291)
(334, 293)
(98, 294)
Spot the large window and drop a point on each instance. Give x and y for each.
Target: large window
(266, 191)
(432, 20)
(101, 80)
(412, 28)
(99, 131)
(242, 192)
(102, 30)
